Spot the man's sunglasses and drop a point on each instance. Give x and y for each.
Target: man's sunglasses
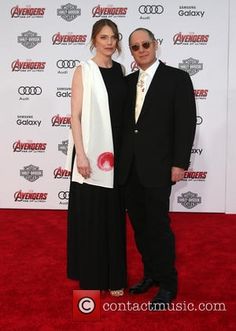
(145, 45)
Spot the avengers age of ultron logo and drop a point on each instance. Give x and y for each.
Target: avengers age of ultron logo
(190, 39)
(192, 66)
(30, 196)
(27, 12)
(109, 11)
(60, 173)
(201, 94)
(133, 66)
(196, 176)
(29, 39)
(68, 12)
(62, 121)
(69, 39)
(29, 147)
(28, 66)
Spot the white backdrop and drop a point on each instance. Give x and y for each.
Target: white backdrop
(42, 42)
(231, 149)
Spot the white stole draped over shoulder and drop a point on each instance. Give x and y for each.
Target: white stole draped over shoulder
(96, 130)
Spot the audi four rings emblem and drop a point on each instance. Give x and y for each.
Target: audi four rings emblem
(29, 90)
(199, 120)
(151, 9)
(63, 195)
(67, 64)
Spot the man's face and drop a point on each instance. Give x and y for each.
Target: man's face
(143, 49)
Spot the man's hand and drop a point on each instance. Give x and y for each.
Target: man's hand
(177, 174)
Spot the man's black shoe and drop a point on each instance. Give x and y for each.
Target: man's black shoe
(162, 300)
(142, 286)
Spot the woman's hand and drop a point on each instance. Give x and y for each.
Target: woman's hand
(83, 166)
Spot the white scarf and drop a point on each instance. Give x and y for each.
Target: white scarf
(96, 130)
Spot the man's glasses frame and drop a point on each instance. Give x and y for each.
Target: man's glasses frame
(144, 44)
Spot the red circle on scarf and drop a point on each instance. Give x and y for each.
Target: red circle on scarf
(105, 161)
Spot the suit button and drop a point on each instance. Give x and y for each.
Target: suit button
(136, 131)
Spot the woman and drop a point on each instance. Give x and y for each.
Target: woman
(96, 217)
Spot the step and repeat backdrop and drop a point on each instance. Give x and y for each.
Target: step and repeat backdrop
(230, 206)
(43, 41)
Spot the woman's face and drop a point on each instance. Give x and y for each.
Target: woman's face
(105, 42)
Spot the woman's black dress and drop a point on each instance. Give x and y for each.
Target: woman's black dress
(96, 246)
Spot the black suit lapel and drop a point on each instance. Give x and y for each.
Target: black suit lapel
(132, 89)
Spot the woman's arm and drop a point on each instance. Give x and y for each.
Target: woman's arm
(82, 161)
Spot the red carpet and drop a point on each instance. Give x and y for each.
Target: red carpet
(35, 294)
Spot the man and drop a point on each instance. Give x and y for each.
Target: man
(158, 135)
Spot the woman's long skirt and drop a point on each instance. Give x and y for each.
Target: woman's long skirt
(96, 245)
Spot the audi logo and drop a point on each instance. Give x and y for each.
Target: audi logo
(29, 90)
(199, 120)
(63, 195)
(151, 9)
(67, 64)
(120, 36)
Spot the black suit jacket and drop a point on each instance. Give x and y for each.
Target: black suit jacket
(164, 133)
